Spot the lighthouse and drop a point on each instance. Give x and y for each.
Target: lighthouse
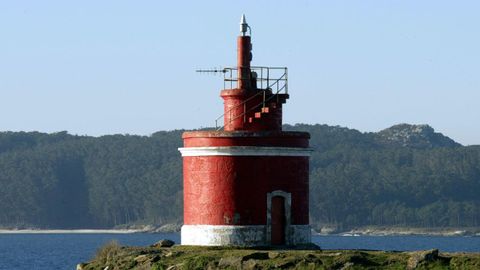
(246, 183)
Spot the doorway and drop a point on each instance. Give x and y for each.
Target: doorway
(278, 220)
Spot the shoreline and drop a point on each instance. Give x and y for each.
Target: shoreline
(166, 228)
(322, 231)
(350, 233)
(400, 231)
(77, 231)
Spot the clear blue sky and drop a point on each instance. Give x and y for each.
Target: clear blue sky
(106, 67)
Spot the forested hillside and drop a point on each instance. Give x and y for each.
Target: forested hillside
(402, 176)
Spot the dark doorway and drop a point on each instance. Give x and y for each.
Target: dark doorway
(278, 220)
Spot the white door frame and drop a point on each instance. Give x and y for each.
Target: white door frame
(287, 204)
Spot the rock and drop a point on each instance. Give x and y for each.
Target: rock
(357, 259)
(175, 267)
(173, 254)
(155, 258)
(421, 256)
(285, 265)
(309, 257)
(336, 254)
(360, 258)
(211, 258)
(347, 265)
(233, 262)
(140, 258)
(303, 264)
(273, 255)
(414, 136)
(256, 256)
(250, 265)
(164, 243)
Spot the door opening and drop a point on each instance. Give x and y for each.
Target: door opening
(278, 220)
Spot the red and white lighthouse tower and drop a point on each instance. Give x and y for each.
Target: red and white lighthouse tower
(248, 183)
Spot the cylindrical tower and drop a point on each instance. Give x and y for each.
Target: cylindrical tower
(248, 183)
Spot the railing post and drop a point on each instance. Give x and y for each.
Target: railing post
(268, 77)
(233, 80)
(263, 99)
(286, 81)
(261, 77)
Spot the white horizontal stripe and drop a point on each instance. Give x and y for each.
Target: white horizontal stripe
(245, 151)
(221, 235)
(236, 235)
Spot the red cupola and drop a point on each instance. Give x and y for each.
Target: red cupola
(248, 183)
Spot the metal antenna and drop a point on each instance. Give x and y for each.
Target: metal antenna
(213, 70)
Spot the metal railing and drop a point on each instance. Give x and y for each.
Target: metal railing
(274, 79)
(266, 77)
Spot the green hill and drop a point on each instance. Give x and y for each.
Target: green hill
(405, 175)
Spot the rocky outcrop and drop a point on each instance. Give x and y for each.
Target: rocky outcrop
(164, 243)
(419, 257)
(196, 257)
(415, 136)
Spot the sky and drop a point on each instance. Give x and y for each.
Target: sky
(128, 67)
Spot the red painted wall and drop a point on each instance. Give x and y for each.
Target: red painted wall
(246, 138)
(242, 104)
(228, 190)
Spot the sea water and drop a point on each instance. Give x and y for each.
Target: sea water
(66, 250)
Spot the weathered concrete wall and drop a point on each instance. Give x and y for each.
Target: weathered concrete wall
(253, 235)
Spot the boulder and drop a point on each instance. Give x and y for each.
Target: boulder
(141, 258)
(421, 256)
(230, 262)
(176, 267)
(273, 254)
(285, 265)
(164, 243)
(309, 257)
(250, 265)
(347, 265)
(256, 256)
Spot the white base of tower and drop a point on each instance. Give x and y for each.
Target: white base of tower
(234, 235)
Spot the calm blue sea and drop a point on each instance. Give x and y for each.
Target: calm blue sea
(64, 251)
